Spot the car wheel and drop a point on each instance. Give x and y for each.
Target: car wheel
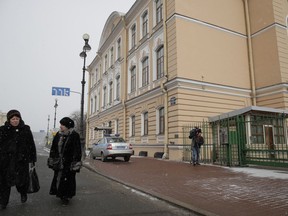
(103, 158)
(126, 158)
(113, 157)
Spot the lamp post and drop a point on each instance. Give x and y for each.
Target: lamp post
(47, 136)
(55, 106)
(86, 48)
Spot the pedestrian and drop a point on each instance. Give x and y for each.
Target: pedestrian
(66, 149)
(197, 142)
(17, 154)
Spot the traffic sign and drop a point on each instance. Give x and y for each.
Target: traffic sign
(60, 91)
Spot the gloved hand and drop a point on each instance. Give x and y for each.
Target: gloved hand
(31, 165)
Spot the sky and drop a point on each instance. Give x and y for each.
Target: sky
(40, 43)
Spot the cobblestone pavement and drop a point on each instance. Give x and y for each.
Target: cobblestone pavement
(206, 189)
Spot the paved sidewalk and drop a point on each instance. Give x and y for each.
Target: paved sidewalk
(205, 189)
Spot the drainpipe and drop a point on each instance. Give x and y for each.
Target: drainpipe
(250, 52)
(166, 149)
(164, 88)
(124, 87)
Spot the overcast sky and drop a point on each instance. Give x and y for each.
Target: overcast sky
(40, 43)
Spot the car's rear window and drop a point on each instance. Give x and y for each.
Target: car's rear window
(115, 140)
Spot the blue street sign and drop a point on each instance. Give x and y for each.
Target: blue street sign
(60, 91)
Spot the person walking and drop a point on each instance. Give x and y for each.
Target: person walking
(197, 142)
(17, 150)
(65, 160)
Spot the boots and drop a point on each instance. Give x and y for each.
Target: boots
(23, 198)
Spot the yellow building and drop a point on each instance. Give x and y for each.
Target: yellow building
(167, 63)
(3, 118)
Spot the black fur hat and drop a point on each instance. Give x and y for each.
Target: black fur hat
(67, 122)
(13, 113)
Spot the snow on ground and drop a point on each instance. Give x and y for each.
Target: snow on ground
(266, 173)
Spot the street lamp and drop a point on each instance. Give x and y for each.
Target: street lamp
(86, 48)
(55, 106)
(47, 136)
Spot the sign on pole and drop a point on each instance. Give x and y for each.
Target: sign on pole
(60, 91)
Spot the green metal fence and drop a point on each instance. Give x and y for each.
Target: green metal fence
(242, 140)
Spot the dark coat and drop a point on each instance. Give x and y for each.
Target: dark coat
(64, 184)
(197, 142)
(17, 150)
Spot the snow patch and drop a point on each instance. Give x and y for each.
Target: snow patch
(262, 173)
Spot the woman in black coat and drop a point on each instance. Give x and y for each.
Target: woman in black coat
(66, 148)
(17, 150)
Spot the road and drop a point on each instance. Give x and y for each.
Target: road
(96, 195)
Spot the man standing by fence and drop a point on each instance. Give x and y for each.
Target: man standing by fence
(197, 142)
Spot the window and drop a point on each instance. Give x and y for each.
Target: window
(158, 11)
(145, 24)
(96, 75)
(104, 96)
(118, 88)
(98, 101)
(133, 79)
(145, 123)
(106, 63)
(95, 105)
(110, 92)
(257, 131)
(279, 131)
(160, 62)
(132, 125)
(119, 48)
(91, 106)
(161, 121)
(133, 36)
(145, 72)
(92, 79)
(260, 126)
(111, 56)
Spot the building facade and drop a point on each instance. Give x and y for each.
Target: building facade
(167, 63)
(3, 118)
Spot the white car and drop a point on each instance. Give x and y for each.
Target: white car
(111, 146)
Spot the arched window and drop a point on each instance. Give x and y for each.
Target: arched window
(145, 23)
(110, 92)
(159, 13)
(132, 126)
(133, 79)
(145, 71)
(118, 88)
(119, 48)
(133, 36)
(160, 62)
(104, 96)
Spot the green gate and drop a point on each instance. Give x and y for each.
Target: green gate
(252, 138)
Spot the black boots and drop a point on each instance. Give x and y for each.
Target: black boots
(65, 201)
(23, 198)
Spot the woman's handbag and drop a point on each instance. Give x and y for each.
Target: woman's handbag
(54, 163)
(34, 185)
